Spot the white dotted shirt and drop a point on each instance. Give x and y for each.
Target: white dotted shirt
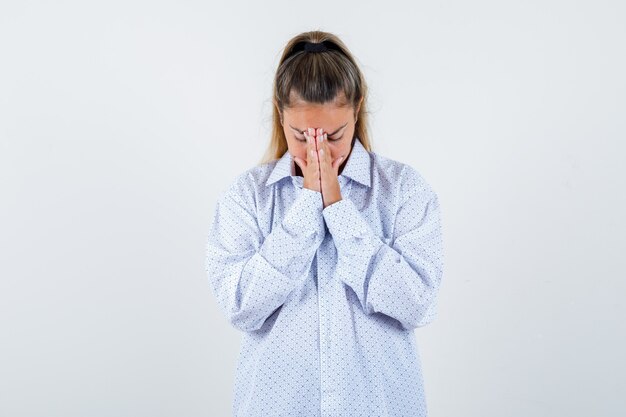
(327, 299)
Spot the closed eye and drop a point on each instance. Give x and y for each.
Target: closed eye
(332, 137)
(302, 139)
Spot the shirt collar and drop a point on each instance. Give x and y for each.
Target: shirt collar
(357, 168)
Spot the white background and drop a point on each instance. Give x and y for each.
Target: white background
(121, 121)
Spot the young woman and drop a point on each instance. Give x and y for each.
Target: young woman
(326, 255)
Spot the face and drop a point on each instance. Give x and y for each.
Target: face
(337, 121)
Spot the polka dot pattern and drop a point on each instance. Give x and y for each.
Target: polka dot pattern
(327, 299)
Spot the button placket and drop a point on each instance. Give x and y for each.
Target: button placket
(327, 385)
(325, 292)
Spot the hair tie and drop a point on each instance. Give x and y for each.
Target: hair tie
(315, 47)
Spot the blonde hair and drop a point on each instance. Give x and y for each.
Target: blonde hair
(316, 78)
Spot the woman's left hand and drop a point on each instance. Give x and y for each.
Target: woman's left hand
(329, 168)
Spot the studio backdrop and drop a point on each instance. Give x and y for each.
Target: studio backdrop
(121, 122)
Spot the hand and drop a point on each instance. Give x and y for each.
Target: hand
(328, 168)
(311, 167)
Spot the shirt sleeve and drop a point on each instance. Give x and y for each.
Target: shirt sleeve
(251, 275)
(402, 279)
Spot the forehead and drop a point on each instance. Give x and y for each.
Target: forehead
(315, 115)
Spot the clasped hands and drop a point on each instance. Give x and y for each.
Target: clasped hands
(320, 171)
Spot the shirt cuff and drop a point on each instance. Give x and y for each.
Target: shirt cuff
(347, 225)
(304, 217)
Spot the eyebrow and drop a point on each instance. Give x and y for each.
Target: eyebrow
(329, 134)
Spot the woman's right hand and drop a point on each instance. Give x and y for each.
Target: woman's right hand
(311, 167)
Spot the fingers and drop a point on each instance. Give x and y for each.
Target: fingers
(311, 137)
(327, 164)
(317, 140)
(336, 164)
(312, 174)
(323, 151)
(311, 155)
(300, 162)
(311, 150)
